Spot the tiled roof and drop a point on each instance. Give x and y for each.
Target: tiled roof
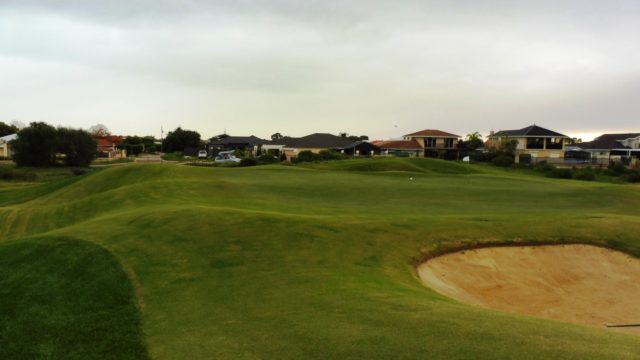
(433, 133)
(316, 141)
(358, 143)
(8, 138)
(251, 140)
(529, 131)
(398, 144)
(607, 141)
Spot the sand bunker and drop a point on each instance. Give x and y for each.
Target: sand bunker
(574, 283)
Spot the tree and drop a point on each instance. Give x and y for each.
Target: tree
(6, 129)
(35, 145)
(508, 146)
(276, 136)
(358, 138)
(343, 134)
(99, 131)
(78, 146)
(473, 141)
(179, 139)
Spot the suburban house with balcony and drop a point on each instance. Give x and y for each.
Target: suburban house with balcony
(607, 148)
(534, 143)
(425, 143)
(5, 146)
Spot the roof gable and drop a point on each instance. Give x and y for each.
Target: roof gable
(316, 141)
(399, 144)
(432, 133)
(607, 141)
(8, 138)
(250, 140)
(529, 131)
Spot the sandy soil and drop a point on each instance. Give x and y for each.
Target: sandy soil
(574, 283)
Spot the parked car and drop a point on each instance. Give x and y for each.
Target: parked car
(227, 157)
(202, 154)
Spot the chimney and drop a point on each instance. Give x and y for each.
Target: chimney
(491, 133)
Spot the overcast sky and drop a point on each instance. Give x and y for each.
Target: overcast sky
(380, 67)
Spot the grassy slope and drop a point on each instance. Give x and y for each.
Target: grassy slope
(66, 299)
(291, 262)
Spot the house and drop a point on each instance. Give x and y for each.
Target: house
(607, 148)
(533, 143)
(425, 143)
(250, 144)
(6, 152)
(108, 146)
(314, 143)
(436, 143)
(359, 148)
(400, 147)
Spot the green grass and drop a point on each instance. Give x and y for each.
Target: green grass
(66, 299)
(174, 156)
(316, 261)
(107, 161)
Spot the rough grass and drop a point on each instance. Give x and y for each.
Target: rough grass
(317, 261)
(66, 299)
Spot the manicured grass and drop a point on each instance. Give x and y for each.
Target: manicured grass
(316, 261)
(66, 299)
(174, 156)
(107, 161)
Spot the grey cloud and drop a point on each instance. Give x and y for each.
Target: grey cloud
(457, 64)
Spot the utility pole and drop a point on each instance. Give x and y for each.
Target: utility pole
(161, 138)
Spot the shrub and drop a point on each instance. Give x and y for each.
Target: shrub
(616, 169)
(483, 156)
(267, 159)
(543, 166)
(306, 156)
(634, 176)
(330, 155)
(560, 173)
(586, 174)
(248, 162)
(502, 161)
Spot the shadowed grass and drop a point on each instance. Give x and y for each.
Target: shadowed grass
(66, 299)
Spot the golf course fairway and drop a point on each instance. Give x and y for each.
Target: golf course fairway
(288, 262)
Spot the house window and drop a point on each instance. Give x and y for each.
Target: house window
(535, 143)
(429, 142)
(554, 143)
(448, 143)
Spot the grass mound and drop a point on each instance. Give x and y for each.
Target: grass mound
(65, 299)
(293, 263)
